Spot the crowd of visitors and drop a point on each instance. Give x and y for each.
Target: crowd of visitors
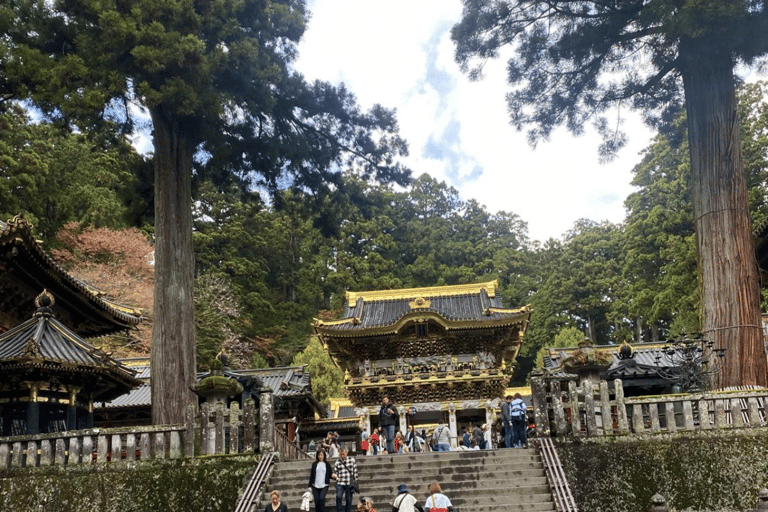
(386, 438)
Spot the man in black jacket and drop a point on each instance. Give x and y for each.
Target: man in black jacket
(389, 418)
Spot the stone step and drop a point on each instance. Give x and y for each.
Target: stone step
(480, 480)
(425, 472)
(413, 460)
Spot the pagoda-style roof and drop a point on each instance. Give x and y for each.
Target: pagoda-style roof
(467, 306)
(42, 349)
(640, 370)
(287, 383)
(26, 269)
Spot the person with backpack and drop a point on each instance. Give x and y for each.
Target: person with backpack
(405, 502)
(441, 438)
(465, 439)
(517, 411)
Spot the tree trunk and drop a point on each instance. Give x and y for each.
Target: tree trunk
(173, 330)
(727, 268)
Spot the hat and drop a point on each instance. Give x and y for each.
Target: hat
(402, 488)
(365, 499)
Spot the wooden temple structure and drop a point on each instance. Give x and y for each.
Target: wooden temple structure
(51, 376)
(439, 353)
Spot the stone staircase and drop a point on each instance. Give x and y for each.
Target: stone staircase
(475, 481)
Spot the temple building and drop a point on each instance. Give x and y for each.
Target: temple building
(438, 353)
(26, 269)
(52, 376)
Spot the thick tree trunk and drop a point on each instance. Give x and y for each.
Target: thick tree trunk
(173, 330)
(728, 273)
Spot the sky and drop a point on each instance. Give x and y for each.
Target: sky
(399, 54)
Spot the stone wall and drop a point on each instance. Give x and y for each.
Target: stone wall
(703, 471)
(204, 484)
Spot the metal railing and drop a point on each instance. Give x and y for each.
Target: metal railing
(558, 482)
(251, 491)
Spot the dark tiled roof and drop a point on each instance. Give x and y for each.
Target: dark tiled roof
(45, 345)
(37, 268)
(139, 397)
(285, 382)
(461, 306)
(642, 364)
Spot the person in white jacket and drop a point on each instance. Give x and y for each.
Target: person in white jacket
(405, 502)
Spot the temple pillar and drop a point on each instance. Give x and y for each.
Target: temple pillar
(266, 420)
(452, 425)
(89, 419)
(490, 420)
(72, 411)
(403, 420)
(33, 412)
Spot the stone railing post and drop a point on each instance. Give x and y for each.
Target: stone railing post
(249, 426)
(189, 431)
(658, 504)
(539, 398)
(266, 421)
(762, 501)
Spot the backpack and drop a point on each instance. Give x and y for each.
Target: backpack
(516, 409)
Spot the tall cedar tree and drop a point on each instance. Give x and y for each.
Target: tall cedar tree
(215, 78)
(575, 59)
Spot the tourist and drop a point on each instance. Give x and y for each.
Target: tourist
(405, 502)
(437, 501)
(411, 440)
(366, 505)
(488, 436)
(466, 438)
(389, 418)
(346, 480)
(333, 450)
(477, 435)
(319, 480)
(399, 442)
(506, 415)
(441, 438)
(518, 412)
(274, 503)
(375, 441)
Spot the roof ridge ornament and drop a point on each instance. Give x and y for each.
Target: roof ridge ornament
(45, 302)
(32, 348)
(419, 303)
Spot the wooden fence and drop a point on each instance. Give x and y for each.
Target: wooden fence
(209, 431)
(600, 410)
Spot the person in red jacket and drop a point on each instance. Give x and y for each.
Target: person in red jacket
(375, 441)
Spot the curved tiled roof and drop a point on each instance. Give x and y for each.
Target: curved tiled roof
(39, 269)
(44, 345)
(456, 307)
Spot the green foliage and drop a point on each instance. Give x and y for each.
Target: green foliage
(566, 338)
(216, 309)
(327, 378)
(56, 177)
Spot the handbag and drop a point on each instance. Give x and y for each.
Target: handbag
(436, 509)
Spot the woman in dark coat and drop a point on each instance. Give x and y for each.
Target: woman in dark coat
(319, 479)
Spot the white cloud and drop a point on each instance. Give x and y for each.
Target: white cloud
(399, 54)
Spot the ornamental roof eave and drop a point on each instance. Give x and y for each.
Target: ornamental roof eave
(427, 292)
(40, 270)
(44, 345)
(497, 317)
